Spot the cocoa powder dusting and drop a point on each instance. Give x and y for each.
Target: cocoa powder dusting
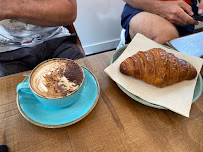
(53, 78)
(52, 82)
(73, 73)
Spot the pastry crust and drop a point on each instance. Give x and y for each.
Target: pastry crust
(158, 67)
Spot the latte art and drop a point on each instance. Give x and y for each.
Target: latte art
(57, 78)
(54, 82)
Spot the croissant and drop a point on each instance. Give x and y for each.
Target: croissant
(157, 67)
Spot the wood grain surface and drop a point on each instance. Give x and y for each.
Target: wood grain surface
(116, 124)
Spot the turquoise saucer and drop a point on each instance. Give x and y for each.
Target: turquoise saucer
(197, 91)
(48, 117)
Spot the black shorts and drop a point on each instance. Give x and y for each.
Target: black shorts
(129, 12)
(27, 58)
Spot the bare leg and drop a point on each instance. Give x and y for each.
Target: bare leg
(152, 26)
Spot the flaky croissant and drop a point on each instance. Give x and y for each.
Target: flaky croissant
(158, 67)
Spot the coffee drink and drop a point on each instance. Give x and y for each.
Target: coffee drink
(56, 78)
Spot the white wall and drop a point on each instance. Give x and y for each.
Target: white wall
(98, 24)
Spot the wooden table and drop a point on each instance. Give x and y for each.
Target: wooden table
(117, 123)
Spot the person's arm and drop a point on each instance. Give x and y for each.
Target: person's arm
(176, 11)
(39, 12)
(146, 5)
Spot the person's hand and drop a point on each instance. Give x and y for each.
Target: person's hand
(200, 9)
(3, 9)
(177, 12)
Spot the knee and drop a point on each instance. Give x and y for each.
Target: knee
(164, 35)
(152, 26)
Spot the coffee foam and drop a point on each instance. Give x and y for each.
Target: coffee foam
(57, 78)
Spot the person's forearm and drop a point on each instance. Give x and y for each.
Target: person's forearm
(175, 11)
(146, 5)
(40, 12)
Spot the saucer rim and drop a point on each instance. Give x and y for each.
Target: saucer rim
(60, 125)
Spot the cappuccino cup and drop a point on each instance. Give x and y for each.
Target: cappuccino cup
(56, 83)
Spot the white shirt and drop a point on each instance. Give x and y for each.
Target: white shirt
(15, 34)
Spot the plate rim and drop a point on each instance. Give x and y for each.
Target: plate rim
(129, 94)
(65, 124)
